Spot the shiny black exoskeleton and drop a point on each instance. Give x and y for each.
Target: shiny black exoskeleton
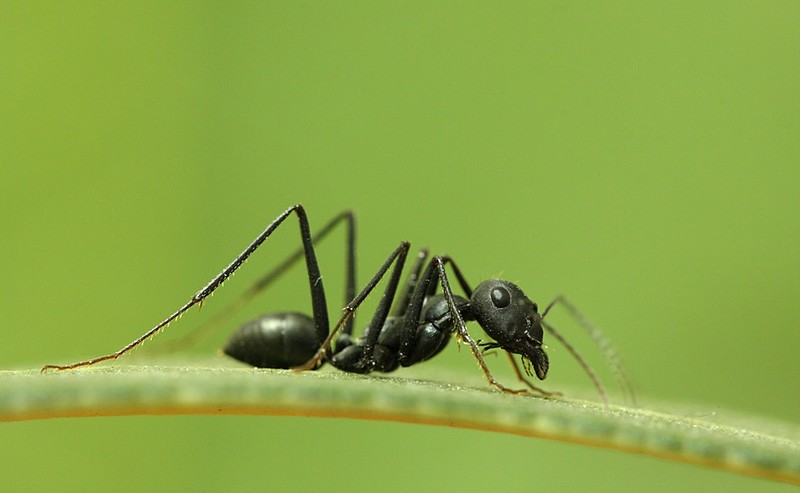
(403, 332)
(409, 329)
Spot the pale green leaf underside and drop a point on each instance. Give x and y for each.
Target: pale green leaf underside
(136, 390)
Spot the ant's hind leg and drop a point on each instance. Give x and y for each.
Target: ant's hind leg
(320, 310)
(218, 320)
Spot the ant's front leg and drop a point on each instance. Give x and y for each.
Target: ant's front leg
(460, 326)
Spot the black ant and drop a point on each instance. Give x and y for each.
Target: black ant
(417, 329)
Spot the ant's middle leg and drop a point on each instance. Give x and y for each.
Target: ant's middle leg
(422, 335)
(401, 304)
(358, 358)
(376, 349)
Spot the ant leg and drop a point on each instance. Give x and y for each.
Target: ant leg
(462, 281)
(319, 305)
(267, 279)
(399, 255)
(527, 382)
(461, 329)
(350, 272)
(401, 305)
(599, 340)
(345, 338)
(365, 361)
(425, 287)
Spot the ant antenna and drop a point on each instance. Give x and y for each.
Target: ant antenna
(575, 354)
(600, 340)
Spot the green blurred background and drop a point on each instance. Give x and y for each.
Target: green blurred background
(641, 157)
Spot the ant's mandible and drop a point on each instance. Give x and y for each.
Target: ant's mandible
(404, 331)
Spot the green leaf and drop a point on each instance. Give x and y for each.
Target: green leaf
(138, 390)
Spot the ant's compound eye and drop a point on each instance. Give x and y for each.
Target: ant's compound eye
(500, 297)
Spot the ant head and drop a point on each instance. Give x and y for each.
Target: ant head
(513, 320)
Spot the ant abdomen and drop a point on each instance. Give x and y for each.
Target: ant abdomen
(278, 340)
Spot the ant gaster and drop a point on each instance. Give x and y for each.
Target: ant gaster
(404, 331)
